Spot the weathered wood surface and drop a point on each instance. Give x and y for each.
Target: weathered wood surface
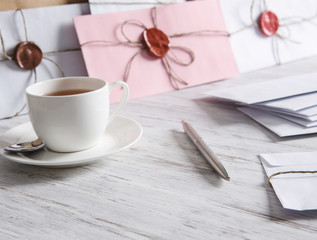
(162, 188)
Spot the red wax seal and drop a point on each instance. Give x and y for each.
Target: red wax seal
(157, 43)
(28, 55)
(269, 23)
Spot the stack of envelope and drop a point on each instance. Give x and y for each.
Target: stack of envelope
(286, 106)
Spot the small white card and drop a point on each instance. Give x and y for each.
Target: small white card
(296, 191)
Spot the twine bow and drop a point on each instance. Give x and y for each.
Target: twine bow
(284, 22)
(175, 79)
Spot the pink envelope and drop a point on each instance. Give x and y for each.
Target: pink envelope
(213, 59)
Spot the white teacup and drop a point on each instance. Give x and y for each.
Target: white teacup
(75, 121)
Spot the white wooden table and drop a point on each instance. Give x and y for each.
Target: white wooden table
(162, 188)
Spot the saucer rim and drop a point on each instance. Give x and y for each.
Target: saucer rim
(22, 159)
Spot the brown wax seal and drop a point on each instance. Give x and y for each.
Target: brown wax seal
(28, 55)
(156, 42)
(269, 23)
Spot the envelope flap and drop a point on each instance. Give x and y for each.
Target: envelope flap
(288, 162)
(269, 90)
(289, 159)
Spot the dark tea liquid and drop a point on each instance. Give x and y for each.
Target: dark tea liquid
(68, 92)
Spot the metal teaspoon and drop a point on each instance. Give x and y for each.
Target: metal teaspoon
(25, 146)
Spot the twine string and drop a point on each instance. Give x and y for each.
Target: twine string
(65, 50)
(263, 5)
(173, 76)
(122, 28)
(254, 23)
(24, 105)
(24, 25)
(154, 16)
(241, 29)
(135, 22)
(288, 172)
(4, 52)
(287, 39)
(56, 64)
(220, 32)
(298, 19)
(276, 51)
(135, 44)
(176, 59)
(128, 68)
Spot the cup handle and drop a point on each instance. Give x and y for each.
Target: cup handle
(123, 100)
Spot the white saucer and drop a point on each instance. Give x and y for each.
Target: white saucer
(120, 134)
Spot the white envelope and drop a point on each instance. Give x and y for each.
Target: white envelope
(52, 29)
(269, 90)
(293, 103)
(295, 191)
(253, 50)
(107, 6)
(309, 113)
(300, 121)
(306, 112)
(278, 125)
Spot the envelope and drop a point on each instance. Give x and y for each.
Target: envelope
(106, 6)
(301, 121)
(295, 191)
(52, 29)
(293, 103)
(6, 5)
(276, 124)
(213, 59)
(269, 90)
(255, 51)
(306, 113)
